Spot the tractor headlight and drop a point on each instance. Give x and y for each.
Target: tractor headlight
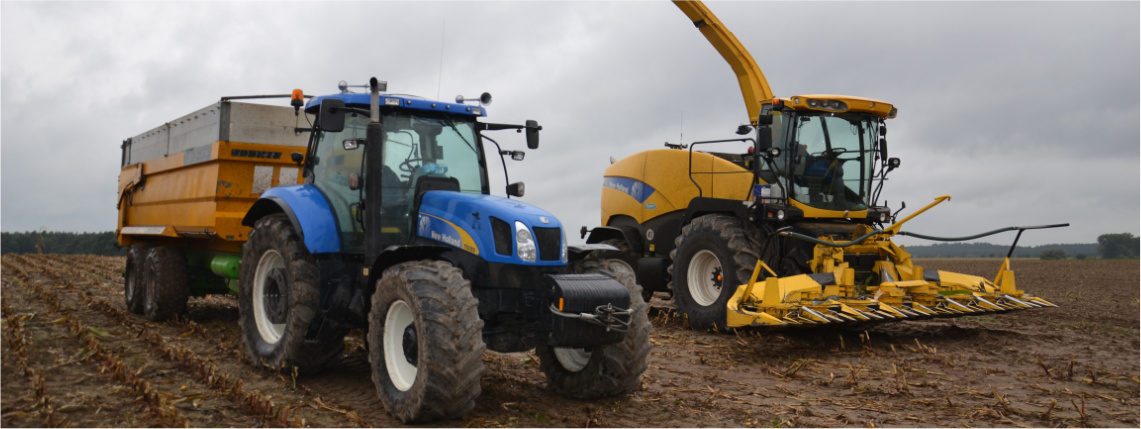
(780, 214)
(525, 242)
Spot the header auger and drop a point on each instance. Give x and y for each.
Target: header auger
(789, 232)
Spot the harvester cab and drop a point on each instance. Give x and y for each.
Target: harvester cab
(789, 231)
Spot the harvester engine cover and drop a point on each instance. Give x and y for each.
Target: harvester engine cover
(586, 310)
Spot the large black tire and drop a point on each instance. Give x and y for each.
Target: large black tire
(166, 290)
(425, 342)
(712, 256)
(134, 282)
(602, 371)
(624, 256)
(278, 299)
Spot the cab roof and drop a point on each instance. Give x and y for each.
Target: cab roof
(398, 100)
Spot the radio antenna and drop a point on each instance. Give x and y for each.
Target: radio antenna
(443, 38)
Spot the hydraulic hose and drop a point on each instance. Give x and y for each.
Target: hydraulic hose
(916, 235)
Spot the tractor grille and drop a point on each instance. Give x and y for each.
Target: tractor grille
(504, 237)
(550, 243)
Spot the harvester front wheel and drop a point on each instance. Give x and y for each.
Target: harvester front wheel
(278, 299)
(165, 290)
(425, 342)
(134, 285)
(602, 371)
(713, 255)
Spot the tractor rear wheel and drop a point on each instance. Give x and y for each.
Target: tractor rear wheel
(134, 284)
(602, 371)
(425, 342)
(165, 289)
(278, 299)
(713, 255)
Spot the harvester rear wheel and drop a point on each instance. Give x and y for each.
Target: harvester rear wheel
(278, 299)
(134, 285)
(603, 371)
(165, 289)
(713, 255)
(425, 342)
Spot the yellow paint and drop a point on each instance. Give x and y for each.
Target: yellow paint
(673, 187)
(211, 196)
(466, 242)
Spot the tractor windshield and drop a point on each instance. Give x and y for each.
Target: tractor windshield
(830, 158)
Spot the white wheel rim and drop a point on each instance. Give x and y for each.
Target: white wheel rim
(400, 371)
(270, 332)
(700, 278)
(574, 360)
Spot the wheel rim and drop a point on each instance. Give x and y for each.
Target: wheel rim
(574, 360)
(704, 278)
(400, 349)
(268, 291)
(624, 269)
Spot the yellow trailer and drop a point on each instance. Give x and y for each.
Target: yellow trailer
(184, 188)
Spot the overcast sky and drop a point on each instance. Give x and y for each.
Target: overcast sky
(1025, 113)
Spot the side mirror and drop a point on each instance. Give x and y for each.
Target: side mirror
(332, 115)
(355, 181)
(532, 135)
(352, 144)
(515, 189)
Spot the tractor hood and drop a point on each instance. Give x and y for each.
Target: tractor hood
(486, 225)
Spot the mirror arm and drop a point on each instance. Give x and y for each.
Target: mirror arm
(501, 159)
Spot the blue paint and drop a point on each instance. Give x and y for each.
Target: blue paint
(637, 189)
(460, 208)
(313, 214)
(402, 101)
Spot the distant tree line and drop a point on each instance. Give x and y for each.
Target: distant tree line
(1108, 246)
(67, 243)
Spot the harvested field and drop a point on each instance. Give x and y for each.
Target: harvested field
(73, 356)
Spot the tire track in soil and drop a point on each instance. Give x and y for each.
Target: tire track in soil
(198, 369)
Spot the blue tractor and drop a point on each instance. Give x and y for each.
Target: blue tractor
(395, 231)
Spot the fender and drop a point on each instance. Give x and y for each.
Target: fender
(308, 211)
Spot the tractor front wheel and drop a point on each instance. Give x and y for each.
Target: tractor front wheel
(602, 371)
(425, 342)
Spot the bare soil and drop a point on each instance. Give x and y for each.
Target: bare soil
(72, 356)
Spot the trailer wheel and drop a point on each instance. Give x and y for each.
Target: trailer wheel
(425, 342)
(602, 371)
(165, 291)
(278, 299)
(712, 256)
(134, 284)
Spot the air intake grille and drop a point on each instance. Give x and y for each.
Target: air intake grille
(550, 243)
(503, 236)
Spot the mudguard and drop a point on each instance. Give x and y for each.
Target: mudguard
(307, 209)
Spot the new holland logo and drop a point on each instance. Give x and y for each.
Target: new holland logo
(544, 219)
(425, 225)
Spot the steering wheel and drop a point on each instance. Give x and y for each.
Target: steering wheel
(407, 167)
